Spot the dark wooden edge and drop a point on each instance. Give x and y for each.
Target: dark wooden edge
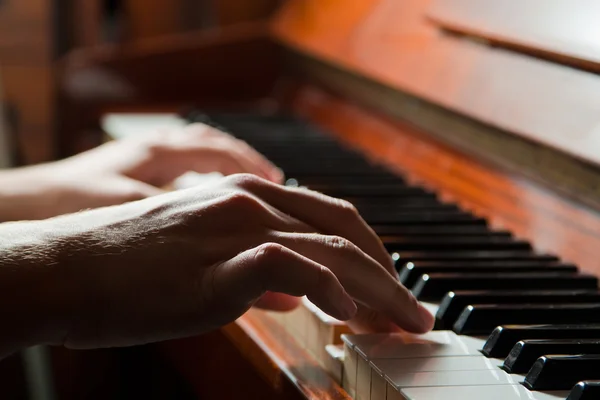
(232, 66)
(277, 355)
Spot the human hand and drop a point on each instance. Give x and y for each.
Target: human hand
(130, 169)
(190, 261)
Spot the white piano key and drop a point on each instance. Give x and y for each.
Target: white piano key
(398, 346)
(433, 364)
(122, 125)
(380, 368)
(378, 385)
(334, 362)
(403, 380)
(349, 370)
(496, 392)
(431, 307)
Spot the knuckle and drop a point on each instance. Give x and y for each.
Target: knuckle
(324, 279)
(133, 195)
(247, 181)
(347, 208)
(268, 253)
(340, 243)
(242, 202)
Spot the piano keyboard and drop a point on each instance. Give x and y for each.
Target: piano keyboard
(512, 323)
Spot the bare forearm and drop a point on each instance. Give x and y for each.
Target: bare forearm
(25, 194)
(35, 294)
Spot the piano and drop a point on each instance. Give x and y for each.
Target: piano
(466, 132)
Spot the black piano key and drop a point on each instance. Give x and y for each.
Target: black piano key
(408, 203)
(421, 217)
(320, 180)
(426, 218)
(559, 372)
(503, 338)
(585, 390)
(372, 191)
(481, 319)
(469, 256)
(453, 303)
(450, 243)
(410, 273)
(526, 352)
(388, 229)
(435, 286)
(377, 211)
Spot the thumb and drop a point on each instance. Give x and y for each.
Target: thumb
(271, 267)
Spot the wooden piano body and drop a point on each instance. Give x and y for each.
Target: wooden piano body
(493, 105)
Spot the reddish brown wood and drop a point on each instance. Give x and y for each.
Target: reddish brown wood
(87, 21)
(393, 43)
(29, 92)
(388, 41)
(26, 31)
(229, 12)
(285, 369)
(147, 19)
(232, 65)
(562, 31)
(239, 62)
(550, 222)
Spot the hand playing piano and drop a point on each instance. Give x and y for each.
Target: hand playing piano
(127, 170)
(190, 261)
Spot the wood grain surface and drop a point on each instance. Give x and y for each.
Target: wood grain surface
(394, 43)
(564, 31)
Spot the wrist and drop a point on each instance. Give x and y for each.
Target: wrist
(38, 298)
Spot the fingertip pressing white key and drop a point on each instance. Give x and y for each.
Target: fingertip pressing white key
(362, 349)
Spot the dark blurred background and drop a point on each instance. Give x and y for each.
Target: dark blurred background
(42, 40)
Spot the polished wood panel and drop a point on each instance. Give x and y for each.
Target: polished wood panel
(238, 64)
(87, 23)
(392, 42)
(29, 92)
(144, 19)
(25, 31)
(147, 19)
(552, 223)
(27, 49)
(229, 12)
(565, 31)
(233, 63)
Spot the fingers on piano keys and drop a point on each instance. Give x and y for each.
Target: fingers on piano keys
(442, 364)
(473, 277)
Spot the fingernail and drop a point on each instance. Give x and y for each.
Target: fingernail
(347, 307)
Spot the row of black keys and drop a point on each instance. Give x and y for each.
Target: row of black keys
(482, 278)
(555, 357)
